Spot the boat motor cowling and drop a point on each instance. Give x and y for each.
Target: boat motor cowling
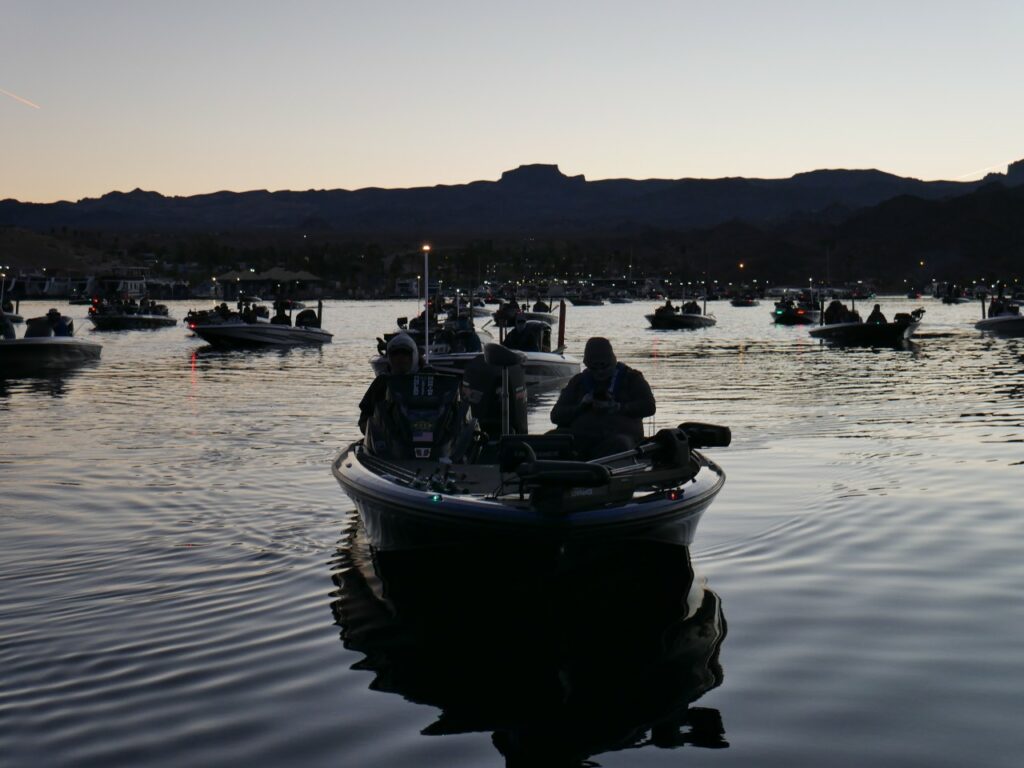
(502, 357)
(482, 387)
(702, 435)
(422, 417)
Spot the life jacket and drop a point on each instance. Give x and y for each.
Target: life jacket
(590, 383)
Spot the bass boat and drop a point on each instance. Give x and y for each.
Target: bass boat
(688, 318)
(427, 474)
(456, 344)
(869, 334)
(1004, 319)
(236, 332)
(788, 312)
(124, 316)
(41, 350)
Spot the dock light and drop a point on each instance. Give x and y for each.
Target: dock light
(435, 497)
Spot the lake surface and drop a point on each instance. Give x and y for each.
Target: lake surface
(182, 581)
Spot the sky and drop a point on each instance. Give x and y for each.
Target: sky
(194, 96)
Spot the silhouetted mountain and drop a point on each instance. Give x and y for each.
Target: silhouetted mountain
(532, 200)
(973, 236)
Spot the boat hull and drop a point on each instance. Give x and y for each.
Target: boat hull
(865, 334)
(131, 322)
(545, 317)
(1002, 325)
(26, 355)
(398, 517)
(797, 317)
(680, 322)
(254, 335)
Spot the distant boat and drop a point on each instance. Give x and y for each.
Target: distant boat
(586, 301)
(691, 318)
(1007, 321)
(121, 316)
(744, 301)
(789, 313)
(235, 333)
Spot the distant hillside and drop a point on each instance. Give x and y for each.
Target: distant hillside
(31, 250)
(533, 200)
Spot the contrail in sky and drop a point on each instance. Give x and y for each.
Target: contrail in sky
(16, 97)
(979, 171)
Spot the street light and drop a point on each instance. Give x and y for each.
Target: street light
(426, 303)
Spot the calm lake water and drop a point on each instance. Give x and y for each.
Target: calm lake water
(182, 581)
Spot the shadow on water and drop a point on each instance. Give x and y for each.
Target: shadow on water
(562, 654)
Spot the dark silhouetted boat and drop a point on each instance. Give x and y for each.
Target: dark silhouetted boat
(688, 318)
(129, 316)
(788, 312)
(744, 301)
(870, 334)
(41, 350)
(1006, 322)
(238, 333)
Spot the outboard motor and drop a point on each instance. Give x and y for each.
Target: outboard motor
(38, 328)
(422, 417)
(539, 333)
(482, 381)
(307, 318)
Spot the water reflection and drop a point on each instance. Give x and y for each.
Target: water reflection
(561, 654)
(53, 383)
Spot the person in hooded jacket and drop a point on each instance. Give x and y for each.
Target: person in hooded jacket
(520, 338)
(403, 358)
(604, 406)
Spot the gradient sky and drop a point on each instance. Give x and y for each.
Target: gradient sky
(199, 96)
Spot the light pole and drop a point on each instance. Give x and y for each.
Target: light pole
(426, 304)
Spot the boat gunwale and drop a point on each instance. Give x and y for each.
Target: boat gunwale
(461, 509)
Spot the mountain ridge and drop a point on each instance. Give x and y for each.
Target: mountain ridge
(531, 200)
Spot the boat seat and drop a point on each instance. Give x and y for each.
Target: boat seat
(513, 450)
(563, 474)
